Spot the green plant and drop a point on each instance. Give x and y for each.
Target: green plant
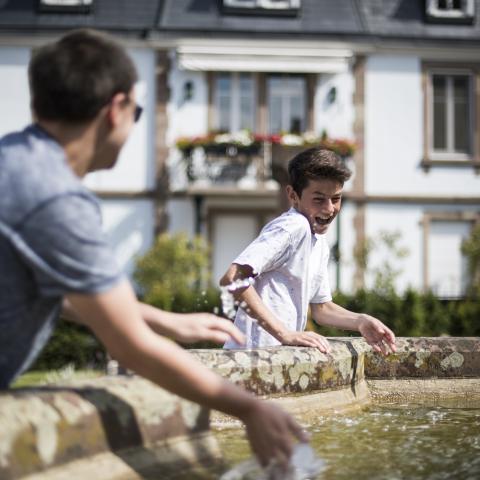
(173, 274)
(70, 344)
(471, 249)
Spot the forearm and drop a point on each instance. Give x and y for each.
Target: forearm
(115, 319)
(160, 321)
(174, 369)
(255, 307)
(333, 315)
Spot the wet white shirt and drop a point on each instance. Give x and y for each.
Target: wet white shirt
(290, 264)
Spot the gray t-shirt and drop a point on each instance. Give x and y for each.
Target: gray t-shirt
(51, 243)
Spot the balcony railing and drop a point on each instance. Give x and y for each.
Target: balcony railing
(246, 158)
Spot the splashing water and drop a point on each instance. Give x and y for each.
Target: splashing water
(229, 303)
(304, 464)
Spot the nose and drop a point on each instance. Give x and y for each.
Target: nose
(328, 206)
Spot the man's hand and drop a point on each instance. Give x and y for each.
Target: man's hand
(190, 327)
(195, 327)
(271, 432)
(376, 334)
(306, 339)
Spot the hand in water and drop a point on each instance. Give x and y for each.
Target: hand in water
(271, 432)
(306, 339)
(379, 336)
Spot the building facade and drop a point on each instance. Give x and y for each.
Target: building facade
(233, 88)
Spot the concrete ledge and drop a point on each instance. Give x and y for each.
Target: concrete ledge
(121, 427)
(47, 427)
(286, 370)
(438, 357)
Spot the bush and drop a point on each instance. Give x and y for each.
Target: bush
(173, 275)
(71, 344)
(413, 314)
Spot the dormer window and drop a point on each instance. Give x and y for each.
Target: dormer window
(450, 11)
(262, 7)
(65, 6)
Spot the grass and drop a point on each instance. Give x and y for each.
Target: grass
(52, 377)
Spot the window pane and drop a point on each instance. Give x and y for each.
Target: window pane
(461, 114)
(223, 102)
(439, 112)
(275, 114)
(247, 105)
(297, 111)
(286, 104)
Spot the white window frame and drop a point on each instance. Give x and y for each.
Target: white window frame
(450, 153)
(234, 122)
(263, 4)
(466, 12)
(66, 6)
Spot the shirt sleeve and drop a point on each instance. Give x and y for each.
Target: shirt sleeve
(323, 293)
(268, 251)
(63, 243)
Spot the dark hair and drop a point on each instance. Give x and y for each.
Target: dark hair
(314, 164)
(74, 77)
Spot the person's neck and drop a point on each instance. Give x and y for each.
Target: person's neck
(78, 141)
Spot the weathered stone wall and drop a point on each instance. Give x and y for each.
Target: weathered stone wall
(128, 425)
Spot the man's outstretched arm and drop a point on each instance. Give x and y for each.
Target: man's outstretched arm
(185, 328)
(378, 335)
(115, 318)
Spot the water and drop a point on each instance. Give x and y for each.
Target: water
(229, 304)
(304, 464)
(388, 442)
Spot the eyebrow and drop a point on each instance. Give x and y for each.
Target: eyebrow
(339, 194)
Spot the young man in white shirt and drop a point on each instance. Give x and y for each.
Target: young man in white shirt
(288, 261)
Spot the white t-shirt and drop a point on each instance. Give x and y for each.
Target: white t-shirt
(290, 264)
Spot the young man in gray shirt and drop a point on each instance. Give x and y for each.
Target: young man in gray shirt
(54, 256)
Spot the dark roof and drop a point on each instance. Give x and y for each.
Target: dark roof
(332, 18)
(345, 19)
(135, 16)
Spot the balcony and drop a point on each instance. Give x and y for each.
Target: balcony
(244, 160)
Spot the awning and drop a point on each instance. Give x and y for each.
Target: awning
(263, 59)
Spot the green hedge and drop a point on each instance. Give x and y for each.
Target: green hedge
(414, 314)
(71, 344)
(408, 315)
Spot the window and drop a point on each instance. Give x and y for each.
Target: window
(234, 102)
(65, 6)
(270, 7)
(286, 104)
(450, 11)
(451, 116)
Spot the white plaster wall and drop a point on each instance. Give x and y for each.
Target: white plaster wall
(14, 92)
(135, 168)
(181, 216)
(129, 228)
(394, 134)
(186, 118)
(406, 219)
(347, 245)
(335, 118)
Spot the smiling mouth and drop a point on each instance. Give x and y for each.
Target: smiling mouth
(323, 221)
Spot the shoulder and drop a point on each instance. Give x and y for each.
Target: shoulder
(292, 222)
(34, 174)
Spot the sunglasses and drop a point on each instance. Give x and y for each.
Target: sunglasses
(138, 113)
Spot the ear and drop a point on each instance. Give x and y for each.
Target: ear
(292, 195)
(116, 109)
